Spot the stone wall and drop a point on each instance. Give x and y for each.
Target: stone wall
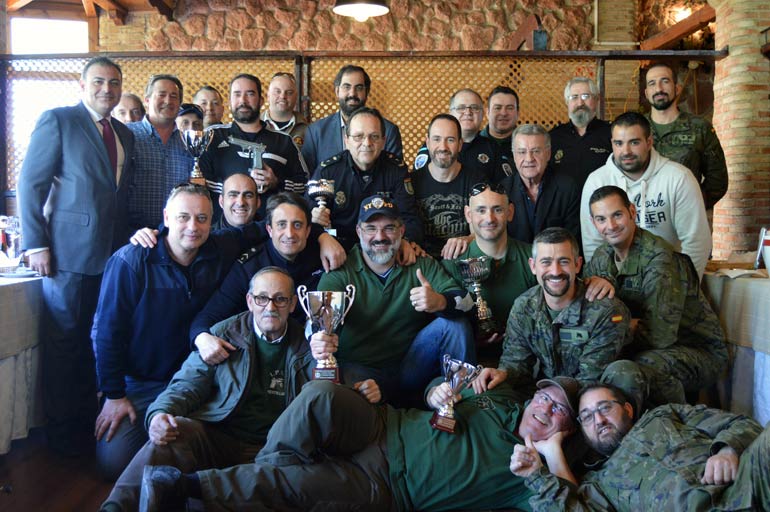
(303, 25)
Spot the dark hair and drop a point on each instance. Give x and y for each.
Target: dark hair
(366, 111)
(291, 198)
(552, 236)
(608, 191)
(617, 393)
(449, 118)
(209, 88)
(661, 64)
(249, 77)
(632, 119)
(163, 76)
(503, 89)
(351, 68)
(101, 61)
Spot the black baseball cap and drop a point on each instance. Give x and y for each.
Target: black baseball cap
(377, 205)
(190, 108)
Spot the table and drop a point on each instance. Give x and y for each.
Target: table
(20, 355)
(743, 306)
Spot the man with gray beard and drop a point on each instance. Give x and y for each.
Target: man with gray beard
(582, 145)
(403, 319)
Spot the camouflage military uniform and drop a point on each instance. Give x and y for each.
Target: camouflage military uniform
(678, 342)
(691, 141)
(659, 464)
(581, 341)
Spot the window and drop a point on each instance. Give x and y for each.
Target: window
(61, 36)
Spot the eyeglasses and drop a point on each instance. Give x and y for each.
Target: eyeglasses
(586, 417)
(463, 108)
(262, 300)
(478, 188)
(559, 409)
(536, 152)
(374, 137)
(389, 230)
(585, 96)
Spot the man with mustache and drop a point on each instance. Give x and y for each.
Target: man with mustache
(668, 201)
(442, 188)
(218, 416)
(332, 450)
(362, 170)
(675, 457)
(554, 328)
(581, 145)
(403, 318)
(280, 115)
(160, 159)
(678, 340)
(684, 138)
(477, 152)
(282, 165)
(326, 137)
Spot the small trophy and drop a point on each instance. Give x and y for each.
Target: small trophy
(322, 191)
(254, 150)
(196, 143)
(459, 375)
(474, 271)
(326, 310)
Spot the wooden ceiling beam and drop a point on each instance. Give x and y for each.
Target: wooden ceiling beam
(675, 33)
(15, 5)
(164, 7)
(90, 8)
(114, 10)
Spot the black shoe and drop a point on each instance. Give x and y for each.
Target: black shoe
(162, 490)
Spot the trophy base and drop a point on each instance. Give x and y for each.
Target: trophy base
(331, 231)
(332, 374)
(443, 423)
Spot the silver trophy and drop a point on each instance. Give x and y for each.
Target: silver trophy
(473, 272)
(326, 311)
(459, 375)
(196, 142)
(322, 191)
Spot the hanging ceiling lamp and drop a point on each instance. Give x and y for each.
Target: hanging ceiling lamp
(361, 10)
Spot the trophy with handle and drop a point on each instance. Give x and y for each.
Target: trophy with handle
(473, 272)
(322, 190)
(459, 375)
(326, 311)
(196, 142)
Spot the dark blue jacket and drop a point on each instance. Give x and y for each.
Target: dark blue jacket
(146, 304)
(230, 298)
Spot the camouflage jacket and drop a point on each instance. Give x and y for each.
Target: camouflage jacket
(658, 466)
(691, 141)
(662, 290)
(591, 335)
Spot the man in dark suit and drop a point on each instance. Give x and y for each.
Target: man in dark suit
(325, 138)
(541, 197)
(72, 192)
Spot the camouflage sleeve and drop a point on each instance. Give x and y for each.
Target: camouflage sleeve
(664, 296)
(725, 428)
(607, 338)
(713, 168)
(517, 358)
(551, 493)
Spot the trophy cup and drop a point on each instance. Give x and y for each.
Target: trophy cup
(326, 311)
(459, 375)
(254, 150)
(473, 272)
(322, 191)
(196, 142)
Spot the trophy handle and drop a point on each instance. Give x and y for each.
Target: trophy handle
(303, 299)
(350, 295)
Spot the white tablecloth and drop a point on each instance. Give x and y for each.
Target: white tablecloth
(743, 306)
(20, 397)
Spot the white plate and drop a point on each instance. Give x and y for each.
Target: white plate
(26, 273)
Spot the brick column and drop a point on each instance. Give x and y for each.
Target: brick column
(742, 121)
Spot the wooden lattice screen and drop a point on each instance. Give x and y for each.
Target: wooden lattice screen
(408, 90)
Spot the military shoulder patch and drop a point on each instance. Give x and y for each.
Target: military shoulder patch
(408, 186)
(340, 198)
(420, 161)
(330, 161)
(246, 256)
(299, 141)
(616, 319)
(507, 169)
(483, 158)
(558, 156)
